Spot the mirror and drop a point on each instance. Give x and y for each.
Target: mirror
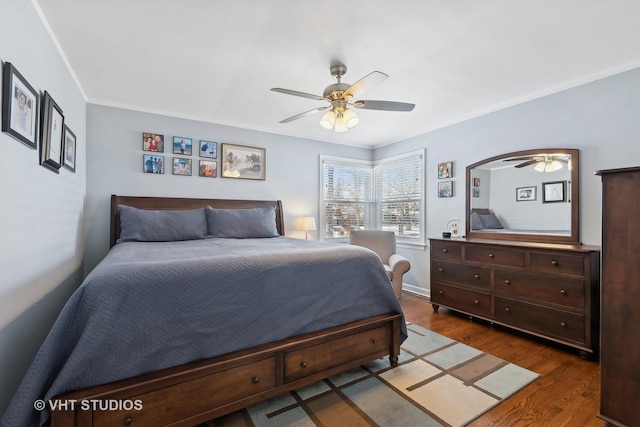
(529, 195)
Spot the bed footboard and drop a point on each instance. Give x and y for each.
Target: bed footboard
(197, 392)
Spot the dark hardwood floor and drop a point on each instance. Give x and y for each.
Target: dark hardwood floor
(566, 394)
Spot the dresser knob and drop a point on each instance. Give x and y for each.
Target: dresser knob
(491, 255)
(476, 302)
(256, 380)
(441, 292)
(127, 421)
(440, 269)
(564, 325)
(554, 262)
(444, 251)
(507, 309)
(477, 276)
(563, 292)
(507, 281)
(303, 364)
(374, 341)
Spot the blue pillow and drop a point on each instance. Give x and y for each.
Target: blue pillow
(142, 225)
(490, 221)
(476, 222)
(242, 223)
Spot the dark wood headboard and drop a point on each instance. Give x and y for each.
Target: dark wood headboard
(176, 203)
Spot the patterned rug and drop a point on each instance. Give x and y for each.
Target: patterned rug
(438, 382)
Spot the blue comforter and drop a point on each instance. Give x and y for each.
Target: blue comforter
(149, 306)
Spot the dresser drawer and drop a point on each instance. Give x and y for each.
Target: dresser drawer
(469, 275)
(317, 358)
(207, 392)
(446, 250)
(472, 302)
(495, 255)
(548, 289)
(554, 323)
(555, 262)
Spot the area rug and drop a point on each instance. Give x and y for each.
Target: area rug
(438, 382)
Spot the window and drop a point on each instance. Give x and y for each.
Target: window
(384, 195)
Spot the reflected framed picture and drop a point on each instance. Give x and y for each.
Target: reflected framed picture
(52, 128)
(152, 163)
(69, 149)
(19, 107)
(208, 168)
(182, 145)
(526, 194)
(209, 149)
(181, 166)
(239, 161)
(553, 192)
(445, 189)
(152, 142)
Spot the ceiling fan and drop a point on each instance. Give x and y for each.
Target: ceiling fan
(544, 163)
(340, 96)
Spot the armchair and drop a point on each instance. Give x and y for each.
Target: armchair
(383, 243)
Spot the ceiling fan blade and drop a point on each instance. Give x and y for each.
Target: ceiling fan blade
(367, 82)
(530, 162)
(518, 158)
(296, 93)
(306, 113)
(383, 105)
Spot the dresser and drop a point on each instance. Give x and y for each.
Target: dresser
(547, 290)
(620, 325)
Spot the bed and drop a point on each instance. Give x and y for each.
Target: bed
(482, 219)
(178, 329)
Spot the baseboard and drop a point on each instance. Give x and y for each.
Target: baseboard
(416, 290)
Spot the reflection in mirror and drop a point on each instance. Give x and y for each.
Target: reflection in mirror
(526, 196)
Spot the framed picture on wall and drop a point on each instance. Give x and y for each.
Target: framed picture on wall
(209, 149)
(553, 192)
(152, 142)
(52, 128)
(19, 107)
(182, 145)
(69, 149)
(526, 194)
(208, 168)
(181, 166)
(152, 163)
(445, 170)
(445, 189)
(239, 161)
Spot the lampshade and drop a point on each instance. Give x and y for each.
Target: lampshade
(339, 119)
(306, 223)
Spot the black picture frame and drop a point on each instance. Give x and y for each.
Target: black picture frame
(445, 189)
(526, 194)
(52, 131)
(69, 149)
(20, 102)
(554, 192)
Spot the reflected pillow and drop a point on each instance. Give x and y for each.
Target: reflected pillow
(142, 225)
(241, 223)
(476, 222)
(490, 221)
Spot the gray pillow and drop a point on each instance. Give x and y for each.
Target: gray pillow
(476, 222)
(242, 223)
(490, 221)
(142, 225)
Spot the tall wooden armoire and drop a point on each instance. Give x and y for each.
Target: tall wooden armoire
(620, 297)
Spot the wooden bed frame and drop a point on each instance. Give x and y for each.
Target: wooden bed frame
(200, 391)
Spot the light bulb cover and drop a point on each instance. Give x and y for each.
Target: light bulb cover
(328, 119)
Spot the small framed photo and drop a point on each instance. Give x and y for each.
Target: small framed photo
(152, 142)
(445, 189)
(476, 182)
(239, 161)
(181, 166)
(19, 107)
(526, 194)
(209, 149)
(476, 191)
(445, 170)
(182, 145)
(208, 168)
(52, 127)
(554, 192)
(69, 149)
(152, 163)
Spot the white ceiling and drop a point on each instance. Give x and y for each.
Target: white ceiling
(216, 60)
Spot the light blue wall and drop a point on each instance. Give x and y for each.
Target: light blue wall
(41, 220)
(601, 119)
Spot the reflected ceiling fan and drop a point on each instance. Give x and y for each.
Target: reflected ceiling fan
(544, 163)
(340, 96)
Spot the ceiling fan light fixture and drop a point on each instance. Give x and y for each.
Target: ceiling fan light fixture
(351, 118)
(328, 119)
(341, 123)
(548, 166)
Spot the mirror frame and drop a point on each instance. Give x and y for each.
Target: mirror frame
(573, 238)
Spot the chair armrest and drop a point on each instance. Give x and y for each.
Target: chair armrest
(398, 264)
